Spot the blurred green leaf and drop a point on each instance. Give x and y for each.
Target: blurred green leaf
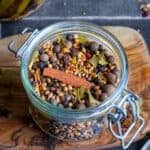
(98, 59)
(83, 39)
(80, 92)
(102, 59)
(92, 100)
(34, 56)
(61, 42)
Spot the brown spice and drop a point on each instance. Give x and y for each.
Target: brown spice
(37, 74)
(70, 79)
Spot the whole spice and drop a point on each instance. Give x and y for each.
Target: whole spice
(73, 72)
(92, 100)
(44, 57)
(66, 78)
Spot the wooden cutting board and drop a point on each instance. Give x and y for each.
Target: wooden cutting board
(17, 130)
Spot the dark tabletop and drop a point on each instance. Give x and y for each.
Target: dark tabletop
(101, 12)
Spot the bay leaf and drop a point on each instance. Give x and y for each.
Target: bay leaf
(102, 59)
(92, 100)
(94, 60)
(83, 39)
(61, 42)
(34, 56)
(79, 92)
(98, 59)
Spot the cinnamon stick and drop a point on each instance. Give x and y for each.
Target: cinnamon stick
(70, 79)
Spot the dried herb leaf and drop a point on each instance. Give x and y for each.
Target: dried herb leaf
(94, 60)
(83, 39)
(61, 42)
(79, 92)
(34, 56)
(92, 100)
(102, 59)
(99, 59)
(102, 78)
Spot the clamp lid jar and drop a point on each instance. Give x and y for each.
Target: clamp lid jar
(77, 125)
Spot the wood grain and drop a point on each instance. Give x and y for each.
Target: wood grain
(17, 129)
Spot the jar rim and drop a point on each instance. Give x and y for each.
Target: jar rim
(62, 113)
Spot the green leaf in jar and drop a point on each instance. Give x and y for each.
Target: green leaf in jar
(102, 78)
(83, 39)
(98, 59)
(61, 42)
(34, 56)
(94, 60)
(79, 92)
(102, 59)
(92, 100)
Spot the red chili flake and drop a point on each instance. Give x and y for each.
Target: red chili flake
(88, 55)
(145, 14)
(85, 63)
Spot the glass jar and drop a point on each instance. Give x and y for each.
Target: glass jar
(78, 125)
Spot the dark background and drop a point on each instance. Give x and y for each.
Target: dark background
(101, 12)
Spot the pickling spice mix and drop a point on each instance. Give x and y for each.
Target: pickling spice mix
(73, 72)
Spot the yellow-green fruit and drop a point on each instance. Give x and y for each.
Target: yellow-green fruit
(13, 8)
(4, 5)
(21, 8)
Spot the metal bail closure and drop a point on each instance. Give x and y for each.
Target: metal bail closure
(119, 113)
(19, 52)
